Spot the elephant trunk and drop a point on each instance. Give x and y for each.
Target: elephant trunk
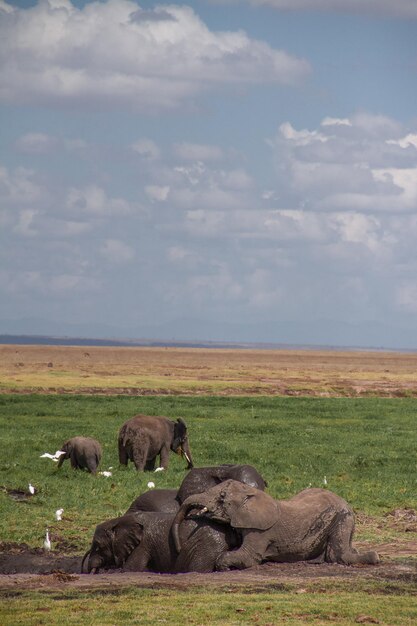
(87, 554)
(179, 518)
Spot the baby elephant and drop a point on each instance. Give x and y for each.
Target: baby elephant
(84, 453)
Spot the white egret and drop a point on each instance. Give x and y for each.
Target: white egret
(159, 469)
(58, 514)
(151, 485)
(47, 542)
(325, 481)
(106, 474)
(31, 489)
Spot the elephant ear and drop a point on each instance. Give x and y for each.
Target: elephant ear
(125, 536)
(180, 433)
(255, 511)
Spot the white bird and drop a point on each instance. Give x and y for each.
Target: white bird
(58, 514)
(159, 469)
(47, 542)
(151, 485)
(31, 489)
(325, 481)
(107, 474)
(54, 457)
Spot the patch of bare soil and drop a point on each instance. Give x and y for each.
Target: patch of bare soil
(23, 568)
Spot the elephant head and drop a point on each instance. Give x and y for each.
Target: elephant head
(180, 443)
(231, 502)
(200, 479)
(113, 541)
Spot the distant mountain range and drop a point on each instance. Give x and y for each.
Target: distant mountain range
(318, 333)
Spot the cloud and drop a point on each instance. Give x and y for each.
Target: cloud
(115, 54)
(92, 200)
(117, 251)
(41, 143)
(146, 148)
(362, 164)
(198, 152)
(375, 8)
(157, 193)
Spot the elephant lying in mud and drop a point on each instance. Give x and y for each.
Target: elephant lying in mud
(143, 438)
(83, 452)
(315, 524)
(142, 541)
(198, 479)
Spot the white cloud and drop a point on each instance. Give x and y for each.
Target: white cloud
(375, 8)
(146, 148)
(36, 143)
(93, 200)
(158, 193)
(117, 251)
(114, 53)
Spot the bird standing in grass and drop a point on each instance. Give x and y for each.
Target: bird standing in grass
(31, 489)
(58, 514)
(47, 542)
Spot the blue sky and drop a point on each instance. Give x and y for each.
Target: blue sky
(220, 170)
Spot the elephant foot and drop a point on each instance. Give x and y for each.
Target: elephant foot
(233, 560)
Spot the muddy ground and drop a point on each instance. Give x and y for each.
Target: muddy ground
(23, 568)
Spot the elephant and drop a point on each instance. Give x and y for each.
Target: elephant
(143, 438)
(83, 452)
(162, 500)
(197, 480)
(314, 525)
(142, 541)
(135, 542)
(200, 479)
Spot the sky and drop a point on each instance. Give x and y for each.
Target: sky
(224, 170)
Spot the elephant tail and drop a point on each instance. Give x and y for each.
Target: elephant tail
(83, 561)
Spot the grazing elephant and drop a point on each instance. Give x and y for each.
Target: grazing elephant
(83, 452)
(162, 500)
(315, 524)
(200, 479)
(143, 438)
(135, 541)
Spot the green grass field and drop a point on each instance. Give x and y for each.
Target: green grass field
(365, 447)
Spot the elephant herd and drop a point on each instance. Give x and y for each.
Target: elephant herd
(220, 518)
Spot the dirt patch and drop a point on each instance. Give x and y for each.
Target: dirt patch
(23, 568)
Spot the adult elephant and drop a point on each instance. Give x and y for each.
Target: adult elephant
(83, 452)
(143, 438)
(198, 479)
(315, 524)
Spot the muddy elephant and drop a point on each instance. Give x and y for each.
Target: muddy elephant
(197, 480)
(143, 541)
(143, 438)
(83, 452)
(162, 500)
(315, 524)
(135, 541)
(200, 479)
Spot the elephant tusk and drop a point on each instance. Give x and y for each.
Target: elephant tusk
(183, 452)
(202, 511)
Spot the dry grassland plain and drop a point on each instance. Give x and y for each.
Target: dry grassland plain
(154, 370)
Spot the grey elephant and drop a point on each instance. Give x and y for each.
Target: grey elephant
(198, 479)
(83, 452)
(315, 524)
(116, 541)
(142, 541)
(143, 438)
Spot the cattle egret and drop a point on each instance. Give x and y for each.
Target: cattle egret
(31, 489)
(54, 457)
(159, 469)
(325, 481)
(47, 542)
(151, 485)
(106, 474)
(58, 514)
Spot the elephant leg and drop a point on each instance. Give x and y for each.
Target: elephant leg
(339, 545)
(139, 457)
(137, 560)
(150, 465)
(123, 456)
(164, 457)
(237, 559)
